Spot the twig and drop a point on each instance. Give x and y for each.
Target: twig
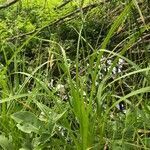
(63, 4)
(84, 9)
(8, 3)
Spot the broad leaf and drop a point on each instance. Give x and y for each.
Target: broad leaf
(5, 143)
(27, 121)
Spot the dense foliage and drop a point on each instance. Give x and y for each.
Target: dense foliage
(75, 75)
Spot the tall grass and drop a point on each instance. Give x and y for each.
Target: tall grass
(52, 98)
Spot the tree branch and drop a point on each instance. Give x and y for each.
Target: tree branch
(63, 4)
(8, 3)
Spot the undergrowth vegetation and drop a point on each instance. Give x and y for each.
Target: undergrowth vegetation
(75, 75)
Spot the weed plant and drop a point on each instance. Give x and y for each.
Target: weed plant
(75, 75)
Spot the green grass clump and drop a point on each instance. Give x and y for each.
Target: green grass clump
(74, 75)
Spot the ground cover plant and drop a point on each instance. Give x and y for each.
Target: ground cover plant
(74, 74)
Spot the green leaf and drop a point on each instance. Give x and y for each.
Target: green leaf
(5, 143)
(146, 142)
(50, 114)
(27, 121)
(17, 97)
(116, 24)
(27, 128)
